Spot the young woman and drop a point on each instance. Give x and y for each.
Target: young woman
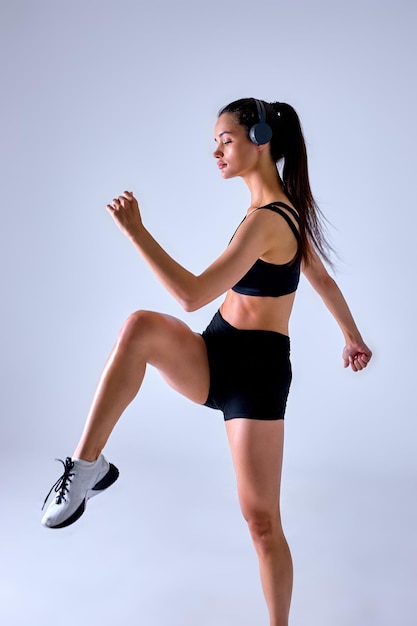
(241, 363)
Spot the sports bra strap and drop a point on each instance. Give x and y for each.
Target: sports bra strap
(274, 206)
(288, 207)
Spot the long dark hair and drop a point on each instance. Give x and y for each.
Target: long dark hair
(288, 150)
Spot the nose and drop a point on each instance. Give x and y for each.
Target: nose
(218, 152)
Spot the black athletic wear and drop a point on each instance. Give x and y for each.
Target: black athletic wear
(250, 371)
(268, 279)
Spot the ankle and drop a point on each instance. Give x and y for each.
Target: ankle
(83, 462)
(82, 453)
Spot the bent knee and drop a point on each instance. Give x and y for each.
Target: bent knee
(137, 326)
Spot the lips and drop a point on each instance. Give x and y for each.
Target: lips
(221, 165)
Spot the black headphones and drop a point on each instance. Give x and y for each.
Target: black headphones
(261, 132)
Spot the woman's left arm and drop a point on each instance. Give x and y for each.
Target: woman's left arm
(355, 353)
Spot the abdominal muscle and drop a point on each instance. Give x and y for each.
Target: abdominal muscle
(257, 312)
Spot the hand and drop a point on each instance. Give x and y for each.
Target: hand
(126, 214)
(357, 355)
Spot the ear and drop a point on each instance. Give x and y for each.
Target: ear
(264, 148)
(264, 152)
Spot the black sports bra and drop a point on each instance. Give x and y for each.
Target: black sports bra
(267, 279)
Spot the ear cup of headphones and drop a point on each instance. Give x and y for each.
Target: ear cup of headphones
(261, 132)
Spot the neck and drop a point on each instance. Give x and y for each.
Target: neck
(265, 186)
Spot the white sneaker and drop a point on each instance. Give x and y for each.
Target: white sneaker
(79, 482)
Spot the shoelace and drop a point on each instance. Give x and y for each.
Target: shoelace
(62, 484)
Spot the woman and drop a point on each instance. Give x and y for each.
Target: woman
(240, 364)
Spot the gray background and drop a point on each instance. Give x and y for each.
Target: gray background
(100, 96)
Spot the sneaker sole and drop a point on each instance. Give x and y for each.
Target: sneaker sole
(107, 480)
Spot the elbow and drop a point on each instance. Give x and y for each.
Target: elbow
(194, 297)
(193, 300)
(327, 281)
(187, 306)
(188, 300)
(190, 305)
(325, 284)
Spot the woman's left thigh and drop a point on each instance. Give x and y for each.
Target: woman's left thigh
(257, 451)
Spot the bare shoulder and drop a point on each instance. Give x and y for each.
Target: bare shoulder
(280, 241)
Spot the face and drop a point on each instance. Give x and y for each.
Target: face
(236, 154)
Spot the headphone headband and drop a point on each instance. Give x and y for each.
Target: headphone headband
(261, 111)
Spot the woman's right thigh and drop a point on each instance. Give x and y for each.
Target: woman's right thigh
(178, 353)
(257, 451)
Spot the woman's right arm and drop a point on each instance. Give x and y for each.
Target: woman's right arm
(191, 291)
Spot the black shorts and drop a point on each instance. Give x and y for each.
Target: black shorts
(250, 371)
